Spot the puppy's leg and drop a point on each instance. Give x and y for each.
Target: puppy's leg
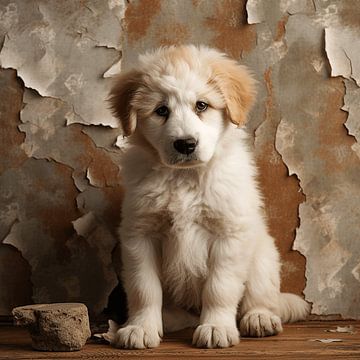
(221, 294)
(259, 309)
(144, 293)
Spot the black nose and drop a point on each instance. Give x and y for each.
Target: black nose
(185, 146)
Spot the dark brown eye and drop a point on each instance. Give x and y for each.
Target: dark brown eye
(201, 106)
(163, 111)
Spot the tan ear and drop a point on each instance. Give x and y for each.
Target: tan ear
(237, 86)
(120, 99)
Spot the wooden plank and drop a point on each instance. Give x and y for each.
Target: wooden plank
(296, 342)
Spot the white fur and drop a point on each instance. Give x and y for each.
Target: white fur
(193, 234)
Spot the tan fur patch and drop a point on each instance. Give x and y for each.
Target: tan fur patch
(120, 99)
(237, 87)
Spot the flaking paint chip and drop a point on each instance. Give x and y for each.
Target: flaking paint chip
(85, 224)
(327, 341)
(342, 46)
(343, 329)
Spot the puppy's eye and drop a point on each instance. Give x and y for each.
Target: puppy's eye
(201, 106)
(163, 111)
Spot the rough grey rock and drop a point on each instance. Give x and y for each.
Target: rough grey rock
(55, 327)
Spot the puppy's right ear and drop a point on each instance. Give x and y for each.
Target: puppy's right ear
(120, 99)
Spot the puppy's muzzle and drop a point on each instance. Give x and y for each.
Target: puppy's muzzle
(185, 146)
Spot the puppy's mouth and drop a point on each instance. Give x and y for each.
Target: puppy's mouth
(183, 162)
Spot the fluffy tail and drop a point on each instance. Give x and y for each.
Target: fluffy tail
(293, 308)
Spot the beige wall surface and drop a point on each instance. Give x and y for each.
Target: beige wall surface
(60, 180)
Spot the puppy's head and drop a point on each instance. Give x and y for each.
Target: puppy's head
(181, 100)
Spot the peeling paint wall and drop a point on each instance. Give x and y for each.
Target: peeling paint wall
(60, 183)
(313, 41)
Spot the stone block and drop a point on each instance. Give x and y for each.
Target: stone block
(55, 327)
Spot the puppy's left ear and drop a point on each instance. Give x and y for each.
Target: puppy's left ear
(237, 86)
(120, 98)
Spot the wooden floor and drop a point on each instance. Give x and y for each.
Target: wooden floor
(298, 341)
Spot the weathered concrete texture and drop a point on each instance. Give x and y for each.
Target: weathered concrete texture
(16, 288)
(314, 144)
(52, 174)
(16, 285)
(11, 92)
(60, 54)
(152, 23)
(301, 113)
(352, 106)
(342, 46)
(55, 327)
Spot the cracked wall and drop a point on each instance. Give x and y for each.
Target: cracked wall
(60, 183)
(314, 79)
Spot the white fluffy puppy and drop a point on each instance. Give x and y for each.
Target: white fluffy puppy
(195, 246)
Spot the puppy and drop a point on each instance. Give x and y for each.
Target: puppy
(195, 246)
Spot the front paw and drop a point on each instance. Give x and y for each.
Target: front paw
(215, 336)
(260, 323)
(136, 337)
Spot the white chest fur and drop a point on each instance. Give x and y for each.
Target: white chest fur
(186, 246)
(185, 211)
